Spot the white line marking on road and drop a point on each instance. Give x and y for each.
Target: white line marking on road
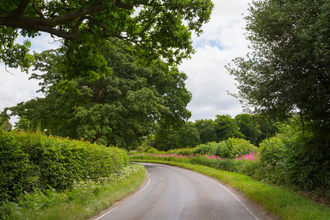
(145, 186)
(235, 198)
(105, 214)
(133, 196)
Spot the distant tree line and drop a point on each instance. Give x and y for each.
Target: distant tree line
(254, 128)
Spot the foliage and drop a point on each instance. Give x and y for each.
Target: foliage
(84, 200)
(254, 128)
(249, 127)
(268, 126)
(288, 70)
(207, 130)
(271, 198)
(119, 109)
(34, 161)
(289, 158)
(158, 28)
(172, 138)
(226, 128)
(4, 123)
(182, 151)
(207, 148)
(235, 147)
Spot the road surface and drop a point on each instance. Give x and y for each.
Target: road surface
(173, 193)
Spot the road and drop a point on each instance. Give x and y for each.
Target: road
(173, 193)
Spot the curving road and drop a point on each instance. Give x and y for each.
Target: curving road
(171, 193)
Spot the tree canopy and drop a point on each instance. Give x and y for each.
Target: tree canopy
(288, 71)
(157, 28)
(119, 109)
(249, 127)
(226, 128)
(169, 137)
(4, 123)
(207, 130)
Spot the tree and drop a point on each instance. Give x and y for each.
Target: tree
(4, 122)
(288, 72)
(118, 109)
(226, 128)
(249, 127)
(268, 126)
(157, 28)
(168, 137)
(206, 129)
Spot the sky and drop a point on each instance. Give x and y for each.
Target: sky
(208, 80)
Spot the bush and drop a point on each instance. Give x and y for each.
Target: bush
(152, 150)
(270, 151)
(234, 147)
(207, 148)
(34, 161)
(182, 151)
(296, 158)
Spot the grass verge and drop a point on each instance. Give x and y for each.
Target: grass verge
(85, 200)
(278, 201)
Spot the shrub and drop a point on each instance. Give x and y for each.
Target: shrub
(207, 148)
(270, 151)
(152, 150)
(234, 147)
(182, 151)
(35, 161)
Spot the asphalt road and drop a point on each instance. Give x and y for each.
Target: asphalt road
(171, 193)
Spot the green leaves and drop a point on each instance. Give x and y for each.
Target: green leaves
(120, 108)
(177, 137)
(226, 128)
(288, 71)
(12, 54)
(159, 29)
(34, 161)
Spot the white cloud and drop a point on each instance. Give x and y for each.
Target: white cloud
(223, 40)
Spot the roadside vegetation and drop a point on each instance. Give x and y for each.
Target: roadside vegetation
(278, 168)
(279, 202)
(45, 177)
(84, 200)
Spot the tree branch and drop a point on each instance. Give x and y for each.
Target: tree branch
(75, 28)
(18, 12)
(5, 11)
(62, 34)
(31, 22)
(37, 9)
(123, 5)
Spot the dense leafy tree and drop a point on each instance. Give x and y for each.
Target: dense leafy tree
(206, 129)
(4, 123)
(118, 109)
(249, 127)
(268, 126)
(288, 71)
(226, 128)
(158, 28)
(181, 137)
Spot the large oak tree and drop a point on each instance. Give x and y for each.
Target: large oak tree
(120, 108)
(157, 28)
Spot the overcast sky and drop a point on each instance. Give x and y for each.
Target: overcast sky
(208, 81)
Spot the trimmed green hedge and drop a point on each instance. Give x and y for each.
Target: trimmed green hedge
(31, 161)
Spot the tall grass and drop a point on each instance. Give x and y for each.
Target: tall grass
(83, 201)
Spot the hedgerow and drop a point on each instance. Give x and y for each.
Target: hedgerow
(30, 161)
(231, 148)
